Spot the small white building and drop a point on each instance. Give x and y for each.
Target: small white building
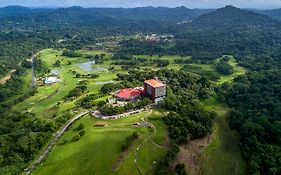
(51, 80)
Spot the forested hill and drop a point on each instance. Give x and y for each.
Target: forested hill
(233, 17)
(275, 13)
(253, 38)
(17, 10)
(108, 16)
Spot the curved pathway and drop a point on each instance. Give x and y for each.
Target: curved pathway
(148, 138)
(41, 157)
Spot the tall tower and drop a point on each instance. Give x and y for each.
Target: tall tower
(155, 89)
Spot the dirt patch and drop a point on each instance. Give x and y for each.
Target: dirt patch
(7, 77)
(120, 160)
(191, 154)
(51, 112)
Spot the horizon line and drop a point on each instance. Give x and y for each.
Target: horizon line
(180, 6)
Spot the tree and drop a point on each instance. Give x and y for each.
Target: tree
(180, 169)
(57, 63)
(1, 159)
(78, 75)
(107, 88)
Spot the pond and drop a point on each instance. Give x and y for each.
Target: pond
(104, 82)
(88, 67)
(55, 71)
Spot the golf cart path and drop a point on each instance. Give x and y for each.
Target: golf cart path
(41, 157)
(148, 138)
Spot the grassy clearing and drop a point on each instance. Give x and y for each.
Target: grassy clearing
(46, 97)
(161, 137)
(223, 155)
(170, 58)
(238, 70)
(98, 150)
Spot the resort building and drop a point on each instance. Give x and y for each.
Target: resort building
(155, 89)
(51, 80)
(128, 94)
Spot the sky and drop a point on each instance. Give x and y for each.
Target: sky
(259, 4)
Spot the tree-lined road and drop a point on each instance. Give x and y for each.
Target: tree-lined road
(41, 157)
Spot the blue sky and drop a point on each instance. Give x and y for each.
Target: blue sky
(261, 4)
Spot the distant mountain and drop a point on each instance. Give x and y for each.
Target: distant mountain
(144, 13)
(16, 10)
(275, 13)
(231, 30)
(98, 16)
(234, 17)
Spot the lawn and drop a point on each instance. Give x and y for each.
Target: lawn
(49, 95)
(223, 155)
(98, 150)
(237, 70)
(170, 58)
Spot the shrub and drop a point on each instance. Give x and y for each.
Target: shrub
(75, 138)
(64, 141)
(80, 127)
(81, 133)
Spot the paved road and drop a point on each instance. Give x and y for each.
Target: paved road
(33, 84)
(41, 157)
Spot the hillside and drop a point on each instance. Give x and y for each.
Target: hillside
(230, 16)
(16, 10)
(221, 68)
(233, 31)
(274, 13)
(103, 16)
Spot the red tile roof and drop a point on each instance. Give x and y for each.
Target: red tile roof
(128, 93)
(102, 123)
(154, 83)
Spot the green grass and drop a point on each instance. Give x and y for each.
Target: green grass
(97, 151)
(223, 155)
(25, 88)
(44, 99)
(170, 58)
(238, 70)
(161, 136)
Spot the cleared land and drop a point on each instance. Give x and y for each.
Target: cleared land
(99, 149)
(223, 155)
(219, 154)
(237, 70)
(43, 103)
(7, 77)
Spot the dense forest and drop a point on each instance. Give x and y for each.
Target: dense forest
(256, 100)
(252, 38)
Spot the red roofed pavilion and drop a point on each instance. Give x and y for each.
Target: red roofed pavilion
(128, 94)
